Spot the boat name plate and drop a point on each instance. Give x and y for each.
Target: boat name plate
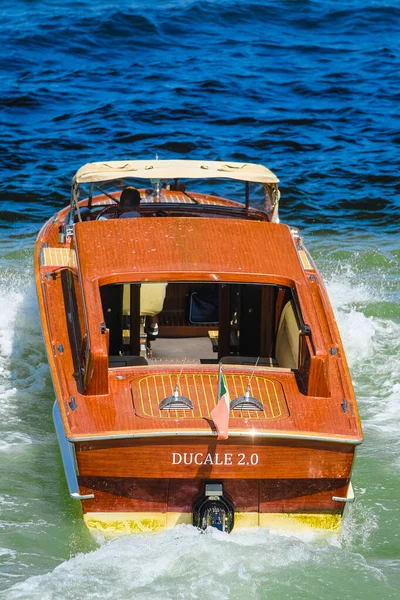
(229, 459)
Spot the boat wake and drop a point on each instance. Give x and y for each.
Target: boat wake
(23, 362)
(187, 563)
(10, 300)
(184, 562)
(372, 344)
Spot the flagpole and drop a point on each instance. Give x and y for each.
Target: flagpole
(220, 412)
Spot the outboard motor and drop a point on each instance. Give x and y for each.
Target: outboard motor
(213, 509)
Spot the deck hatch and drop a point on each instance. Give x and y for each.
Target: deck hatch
(201, 389)
(58, 257)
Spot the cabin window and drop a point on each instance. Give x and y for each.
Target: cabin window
(75, 321)
(235, 323)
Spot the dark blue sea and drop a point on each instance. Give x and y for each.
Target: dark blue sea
(309, 88)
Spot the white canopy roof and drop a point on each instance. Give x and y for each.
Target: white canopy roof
(173, 169)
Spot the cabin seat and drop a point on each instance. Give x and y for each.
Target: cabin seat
(288, 339)
(152, 296)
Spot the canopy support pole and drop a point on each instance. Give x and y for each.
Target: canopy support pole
(247, 195)
(134, 320)
(224, 327)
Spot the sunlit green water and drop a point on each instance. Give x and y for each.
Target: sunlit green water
(46, 551)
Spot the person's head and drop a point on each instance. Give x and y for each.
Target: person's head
(130, 198)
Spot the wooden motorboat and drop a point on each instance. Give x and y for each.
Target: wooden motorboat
(163, 317)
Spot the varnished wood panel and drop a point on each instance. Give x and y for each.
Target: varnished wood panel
(243, 493)
(123, 495)
(211, 460)
(179, 495)
(182, 493)
(229, 246)
(302, 495)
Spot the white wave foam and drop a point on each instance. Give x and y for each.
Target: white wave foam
(358, 526)
(372, 346)
(23, 365)
(185, 563)
(345, 288)
(10, 302)
(12, 439)
(356, 329)
(7, 555)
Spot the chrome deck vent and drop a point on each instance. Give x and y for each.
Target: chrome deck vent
(246, 402)
(176, 402)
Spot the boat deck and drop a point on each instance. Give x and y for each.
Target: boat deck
(176, 249)
(135, 392)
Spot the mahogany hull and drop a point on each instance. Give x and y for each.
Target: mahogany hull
(130, 494)
(130, 461)
(143, 477)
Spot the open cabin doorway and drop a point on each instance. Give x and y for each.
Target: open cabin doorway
(236, 323)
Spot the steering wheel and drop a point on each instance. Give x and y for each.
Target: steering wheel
(113, 211)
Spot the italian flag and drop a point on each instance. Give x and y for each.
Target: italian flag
(220, 413)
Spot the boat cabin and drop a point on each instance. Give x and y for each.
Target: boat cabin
(203, 316)
(186, 277)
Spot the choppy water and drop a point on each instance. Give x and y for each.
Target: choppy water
(309, 88)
